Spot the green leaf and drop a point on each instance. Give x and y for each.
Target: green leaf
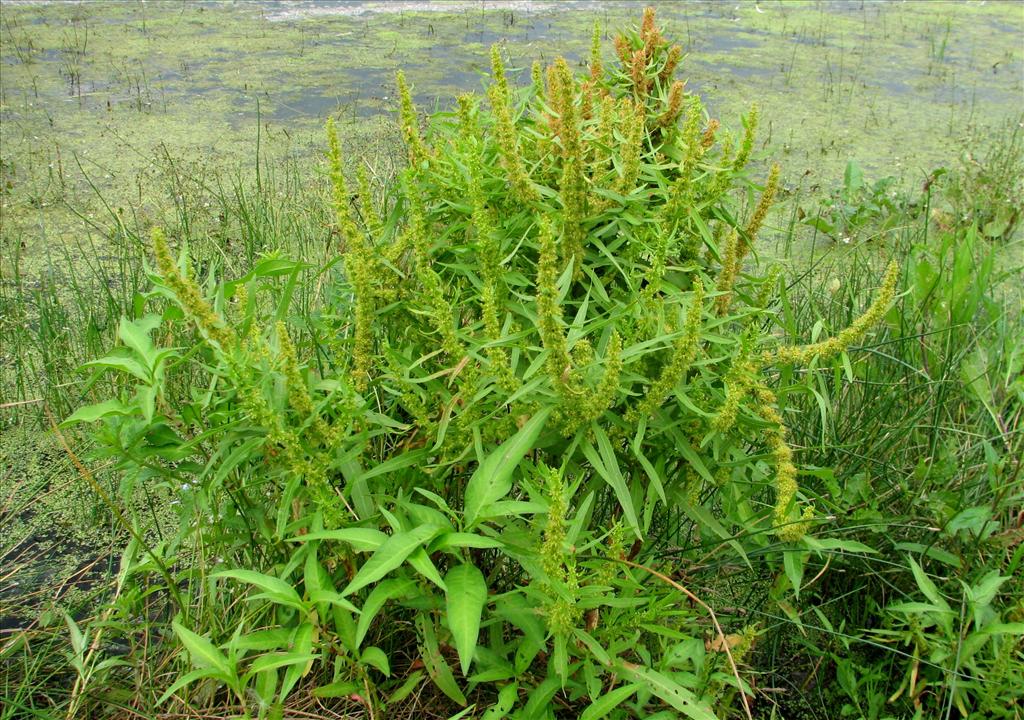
(609, 701)
(92, 413)
(684, 448)
(820, 224)
(942, 556)
(361, 539)
(263, 640)
(386, 590)
(852, 546)
(536, 706)
(118, 361)
(302, 644)
(406, 688)
(1014, 628)
(390, 555)
(273, 661)
(436, 664)
(135, 334)
(464, 540)
(793, 562)
(393, 464)
(652, 473)
(507, 697)
(917, 608)
(272, 266)
(283, 303)
(558, 662)
(266, 686)
(976, 520)
(984, 591)
(493, 477)
(594, 646)
(375, 657)
(77, 638)
(239, 455)
(467, 593)
(332, 598)
(425, 567)
(341, 688)
(926, 585)
(853, 178)
(202, 651)
(671, 692)
(186, 679)
(276, 589)
(606, 465)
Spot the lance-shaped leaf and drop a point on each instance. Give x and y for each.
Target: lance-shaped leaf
(493, 478)
(390, 555)
(467, 593)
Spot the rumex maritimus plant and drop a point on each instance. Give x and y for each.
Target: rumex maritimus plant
(526, 372)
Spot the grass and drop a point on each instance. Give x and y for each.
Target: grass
(922, 440)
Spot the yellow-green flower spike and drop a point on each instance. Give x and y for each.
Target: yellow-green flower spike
(785, 470)
(684, 352)
(747, 144)
(596, 67)
(675, 106)
(366, 203)
(410, 124)
(537, 77)
(675, 54)
(190, 297)
(738, 245)
(826, 349)
(361, 266)
(442, 314)
(633, 115)
(549, 311)
(738, 382)
(771, 186)
(681, 197)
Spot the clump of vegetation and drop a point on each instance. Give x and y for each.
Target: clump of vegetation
(919, 457)
(859, 210)
(535, 435)
(986, 186)
(540, 363)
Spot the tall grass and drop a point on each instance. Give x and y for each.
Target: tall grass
(918, 437)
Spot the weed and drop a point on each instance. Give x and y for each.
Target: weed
(526, 335)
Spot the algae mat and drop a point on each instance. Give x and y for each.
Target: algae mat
(96, 94)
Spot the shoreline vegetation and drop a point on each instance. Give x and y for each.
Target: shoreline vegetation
(613, 362)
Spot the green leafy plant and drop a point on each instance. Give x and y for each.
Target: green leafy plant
(859, 210)
(963, 655)
(541, 364)
(985, 187)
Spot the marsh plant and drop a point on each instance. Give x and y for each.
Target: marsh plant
(986, 186)
(538, 380)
